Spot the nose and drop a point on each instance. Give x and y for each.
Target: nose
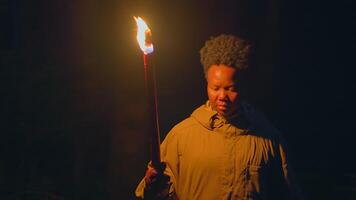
(222, 95)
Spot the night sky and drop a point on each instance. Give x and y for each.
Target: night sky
(72, 91)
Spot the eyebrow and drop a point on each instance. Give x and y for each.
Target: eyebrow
(231, 85)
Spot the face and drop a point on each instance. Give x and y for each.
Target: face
(221, 89)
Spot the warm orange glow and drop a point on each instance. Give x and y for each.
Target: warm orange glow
(143, 32)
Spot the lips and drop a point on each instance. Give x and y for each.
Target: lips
(222, 106)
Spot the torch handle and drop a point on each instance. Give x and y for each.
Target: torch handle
(152, 108)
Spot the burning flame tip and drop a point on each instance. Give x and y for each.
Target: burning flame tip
(142, 33)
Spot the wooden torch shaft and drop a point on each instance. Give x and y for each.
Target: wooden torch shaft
(152, 109)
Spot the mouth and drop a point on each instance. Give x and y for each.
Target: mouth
(222, 106)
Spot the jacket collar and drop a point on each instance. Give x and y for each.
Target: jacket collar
(212, 121)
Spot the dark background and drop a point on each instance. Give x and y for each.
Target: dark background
(72, 106)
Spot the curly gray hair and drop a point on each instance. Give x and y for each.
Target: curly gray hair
(225, 49)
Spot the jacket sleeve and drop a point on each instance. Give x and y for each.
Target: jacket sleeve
(289, 179)
(170, 156)
(285, 185)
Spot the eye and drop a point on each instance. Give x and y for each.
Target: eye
(214, 88)
(231, 89)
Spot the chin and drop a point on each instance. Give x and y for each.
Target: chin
(223, 113)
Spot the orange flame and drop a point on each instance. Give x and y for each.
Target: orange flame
(143, 32)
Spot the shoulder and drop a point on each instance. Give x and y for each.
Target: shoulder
(184, 129)
(180, 134)
(260, 125)
(185, 125)
(264, 131)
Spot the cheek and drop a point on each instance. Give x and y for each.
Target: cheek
(233, 96)
(212, 95)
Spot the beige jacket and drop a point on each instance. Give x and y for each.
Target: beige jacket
(210, 158)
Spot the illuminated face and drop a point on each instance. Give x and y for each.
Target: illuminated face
(221, 89)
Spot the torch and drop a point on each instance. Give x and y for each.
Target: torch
(143, 38)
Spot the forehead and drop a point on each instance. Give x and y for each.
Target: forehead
(221, 73)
